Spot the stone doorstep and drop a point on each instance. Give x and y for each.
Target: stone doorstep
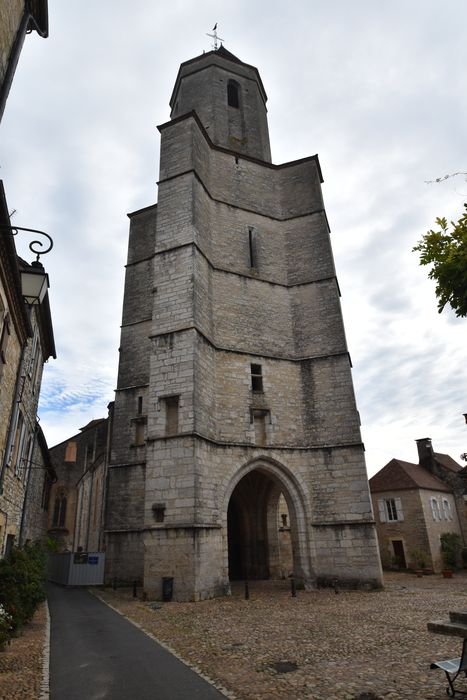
(456, 626)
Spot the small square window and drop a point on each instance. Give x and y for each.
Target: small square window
(256, 378)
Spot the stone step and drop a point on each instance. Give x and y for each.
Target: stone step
(452, 629)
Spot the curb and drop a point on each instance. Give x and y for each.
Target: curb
(44, 692)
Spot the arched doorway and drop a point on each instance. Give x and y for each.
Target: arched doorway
(259, 529)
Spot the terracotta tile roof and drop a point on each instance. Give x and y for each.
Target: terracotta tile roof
(447, 461)
(398, 475)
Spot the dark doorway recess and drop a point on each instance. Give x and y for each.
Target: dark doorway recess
(259, 545)
(399, 553)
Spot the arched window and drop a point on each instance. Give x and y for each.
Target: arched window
(233, 94)
(59, 515)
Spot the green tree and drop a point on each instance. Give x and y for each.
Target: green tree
(446, 250)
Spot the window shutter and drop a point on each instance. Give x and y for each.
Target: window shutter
(382, 510)
(400, 514)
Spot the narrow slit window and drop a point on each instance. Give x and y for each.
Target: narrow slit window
(233, 97)
(140, 405)
(256, 378)
(252, 246)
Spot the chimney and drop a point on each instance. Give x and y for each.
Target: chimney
(426, 456)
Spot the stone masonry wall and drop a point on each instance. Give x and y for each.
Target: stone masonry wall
(339, 510)
(418, 530)
(10, 17)
(411, 530)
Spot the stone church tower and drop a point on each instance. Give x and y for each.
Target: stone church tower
(236, 448)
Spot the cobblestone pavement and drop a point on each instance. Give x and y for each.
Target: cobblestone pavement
(21, 662)
(349, 646)
(345, 646)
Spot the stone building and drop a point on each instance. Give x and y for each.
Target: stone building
(26, 343)
(77, 496)
(26, 334)
(36, 503)
(17, 18)
(234, 390)
(415, 504)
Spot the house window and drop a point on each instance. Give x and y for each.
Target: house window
(59, 514)
(390, 510)
(16, 448)
(25, 456)
(233, 94)
(256, 378)
(140, 405)
(34, 357)
(447, 511)
(435, 511)
(171, 415)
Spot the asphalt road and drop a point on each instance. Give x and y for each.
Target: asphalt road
(97, 654)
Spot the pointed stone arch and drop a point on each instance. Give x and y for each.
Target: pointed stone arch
(251, 503)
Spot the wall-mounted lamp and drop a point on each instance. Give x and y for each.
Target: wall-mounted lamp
(34, 279)
(34, 283)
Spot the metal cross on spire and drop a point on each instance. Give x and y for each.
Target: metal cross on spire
(215, 37)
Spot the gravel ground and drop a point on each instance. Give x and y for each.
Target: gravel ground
(347, 646)
(21, 662)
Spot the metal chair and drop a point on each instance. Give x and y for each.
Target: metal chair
(452, 668)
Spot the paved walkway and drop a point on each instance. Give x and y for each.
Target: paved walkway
(97, 654)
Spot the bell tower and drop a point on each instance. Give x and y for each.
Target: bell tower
(236, 448)
(229, 99)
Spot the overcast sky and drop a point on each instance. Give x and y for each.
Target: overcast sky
(377, 89)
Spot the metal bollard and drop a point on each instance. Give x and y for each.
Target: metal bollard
(114, 584)
(247, 590)
(292, 587)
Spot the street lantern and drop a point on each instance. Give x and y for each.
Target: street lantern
(34, 279)
(34, 283)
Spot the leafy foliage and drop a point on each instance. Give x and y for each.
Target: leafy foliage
(23, 577)
(6, 626)
(451, 548)
(446, 250)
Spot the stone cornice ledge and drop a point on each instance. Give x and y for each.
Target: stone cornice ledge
(252, 446)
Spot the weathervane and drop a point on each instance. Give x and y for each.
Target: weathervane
(215, 37)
